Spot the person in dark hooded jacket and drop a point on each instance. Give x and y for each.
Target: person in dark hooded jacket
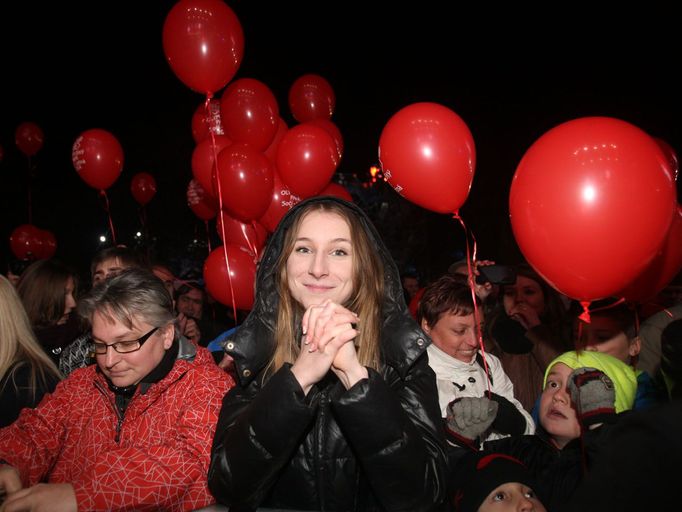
(336, 408)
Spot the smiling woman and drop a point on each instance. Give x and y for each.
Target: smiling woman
(329, 352)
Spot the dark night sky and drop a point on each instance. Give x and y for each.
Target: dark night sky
(102, 65)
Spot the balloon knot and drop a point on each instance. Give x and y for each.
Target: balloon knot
(585, 315)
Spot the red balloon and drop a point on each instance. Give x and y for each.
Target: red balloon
(29, 138)
(271, 152)
(202, 204)
(25, 242)
(307, 159)
(311, 97)
(98, 158)
(281, 202)
(203, 159)
(663, 268)
(143, 187)
(48, 244)
(204, 43)
(204, 122)
(590, 204)
(246, 181)
(427, 155)
(250, 235)
(332, 130)
(670, 156)
(241, 277)
(334, 189)
(250, 113)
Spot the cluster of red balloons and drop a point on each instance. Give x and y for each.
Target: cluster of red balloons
(98, 158)
(30, 242)
(428, 156)
(29, 138)
(594, 210)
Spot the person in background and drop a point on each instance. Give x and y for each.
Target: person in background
(15, 268)
(26, 371)
(529, 327)
(410, 281)
(164, 273)
(337, 407)
(111, 261)
(193, 319)
(611, 330)
(446, 314)
(131, 433)
(47, 289)
(494, 482)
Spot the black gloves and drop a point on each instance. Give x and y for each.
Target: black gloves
(509, 419)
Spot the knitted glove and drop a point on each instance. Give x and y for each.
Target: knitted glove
(593, 395)
(469, 417)
(509, 419)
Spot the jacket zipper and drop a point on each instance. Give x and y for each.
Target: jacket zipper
(119, 416)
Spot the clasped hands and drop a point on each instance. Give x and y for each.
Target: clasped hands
(327, 343)
(40, 497)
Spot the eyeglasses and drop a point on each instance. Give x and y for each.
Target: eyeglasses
(123, 347)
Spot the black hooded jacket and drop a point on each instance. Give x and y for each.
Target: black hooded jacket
(375, 446)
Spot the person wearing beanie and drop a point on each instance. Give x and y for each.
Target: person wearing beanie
(488, 482)
(583, 396)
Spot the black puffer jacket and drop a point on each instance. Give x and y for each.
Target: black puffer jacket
(376, 446)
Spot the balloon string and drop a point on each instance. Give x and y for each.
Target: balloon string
(471, 265)
(208, 236)
(108, 210)
(216, 186)
(29, 192)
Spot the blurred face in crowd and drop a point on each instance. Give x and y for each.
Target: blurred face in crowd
(524, 291)
(166, 276)
(603, 334)
(456, 335)
(411, 285)
(126, 369)
(512, 497)
(191, 304)
(106, 269)
(320, 265)
(557, 415)
(69, 300)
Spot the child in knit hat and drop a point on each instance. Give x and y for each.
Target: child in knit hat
(488, 482)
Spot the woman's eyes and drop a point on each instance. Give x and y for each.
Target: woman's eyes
(308, 250)
(302, 250)
(339, 252)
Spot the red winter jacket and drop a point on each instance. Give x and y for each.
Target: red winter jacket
(158, 459)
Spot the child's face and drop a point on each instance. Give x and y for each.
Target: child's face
(511, 497)
(603, 334)
(557, 415)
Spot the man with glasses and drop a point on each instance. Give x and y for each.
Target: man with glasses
(132, 432)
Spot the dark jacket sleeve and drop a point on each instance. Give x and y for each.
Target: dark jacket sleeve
(395, 431)
(257, 433)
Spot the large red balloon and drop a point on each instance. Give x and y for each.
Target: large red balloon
(311, 97)
(427, 154)
(204, 43)
(241, 276)
(202, 204)
(281, 202)
(590, 204)
(336, 190)
(307, 159)
(143, 187)
(250, 113)
(246, 181)
(663, 268)
(203, 158)
(251, 235)
(98, 158)
(332, 130)
(25, 242)
(205, 121)
(271, 151)
(29, 138)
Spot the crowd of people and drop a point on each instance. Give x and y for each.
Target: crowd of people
(489, 393)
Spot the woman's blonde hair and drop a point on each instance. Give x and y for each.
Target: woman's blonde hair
(365, 300)
(18, 345)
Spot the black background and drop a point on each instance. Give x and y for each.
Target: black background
(511, 75)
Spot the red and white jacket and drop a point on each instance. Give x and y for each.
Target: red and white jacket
(154, 458)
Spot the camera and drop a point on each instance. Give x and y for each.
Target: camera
(496, 274)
